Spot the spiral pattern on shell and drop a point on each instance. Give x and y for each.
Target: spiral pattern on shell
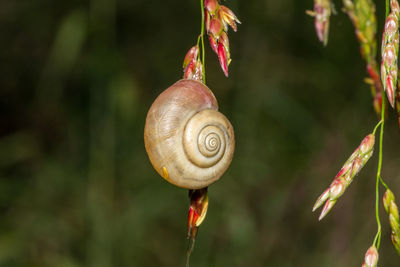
(188, 141)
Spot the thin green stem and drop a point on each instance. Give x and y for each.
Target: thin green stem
(377, 240)
(203, 53)
(383, 183)
(198, 40)
(387, 8)
(377, 237)
(376, 127)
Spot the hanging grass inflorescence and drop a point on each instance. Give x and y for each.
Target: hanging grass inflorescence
(362, 15)
(393, 211)
(390, 49)
(346, 175)
(322, 12)
(218, 19)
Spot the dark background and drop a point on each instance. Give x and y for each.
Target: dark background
(77, 188)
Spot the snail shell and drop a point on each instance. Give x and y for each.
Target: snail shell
(189, 143)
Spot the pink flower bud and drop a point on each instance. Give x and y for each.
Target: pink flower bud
(211, 6)
(388, 197)
(322, 198)
(371, 257)
(389, 55)
(390, 90)
(190, 70)
(337, 188)
(389, 50)
(322, 12)
(213, 44)
(215, 28)
(194, 71)
(356, 167)
(367, 144)
(394, 6)
(391, 26)
(222, 58)
(225, 41)
(228, 18)
(344, 169)
(191, 55)
(327, 207)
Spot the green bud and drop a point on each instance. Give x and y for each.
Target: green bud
(387, 198)
(367, 144)
(322, 198)
(371, 257)
(394, 224)
(394, 210)
(396, 242)
(337, 188)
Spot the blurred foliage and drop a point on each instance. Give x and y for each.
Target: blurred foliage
(77, 189)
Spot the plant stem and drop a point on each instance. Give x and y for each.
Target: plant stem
(376, 127)
(189, 251)
(377, 239)
(387, 8)
(203, 54)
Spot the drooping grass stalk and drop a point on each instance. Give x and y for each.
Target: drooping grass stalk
(362, 15)
(377, 239)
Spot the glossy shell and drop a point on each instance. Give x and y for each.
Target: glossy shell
(189, 143)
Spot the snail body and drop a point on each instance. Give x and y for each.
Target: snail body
(189, 143)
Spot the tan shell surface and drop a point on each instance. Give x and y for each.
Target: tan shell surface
(180, 117)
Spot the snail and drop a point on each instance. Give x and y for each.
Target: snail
(188, 141)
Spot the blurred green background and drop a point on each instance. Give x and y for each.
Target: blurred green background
(77, 188)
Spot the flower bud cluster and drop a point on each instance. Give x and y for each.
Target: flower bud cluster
(322, 12)
(362, 15)
(371, 257)
(218, 18)
(197, 210)
(192, 65)
(390, 49)
(393, 211)
(346, 175)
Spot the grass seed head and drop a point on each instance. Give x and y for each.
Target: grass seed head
(345, 176)
(371, 257)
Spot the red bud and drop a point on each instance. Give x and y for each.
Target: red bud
(191, 55)
(371, 257)
(211, 5)
(215, 28)
(227, 17)
(222, 58)
(213, 44)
